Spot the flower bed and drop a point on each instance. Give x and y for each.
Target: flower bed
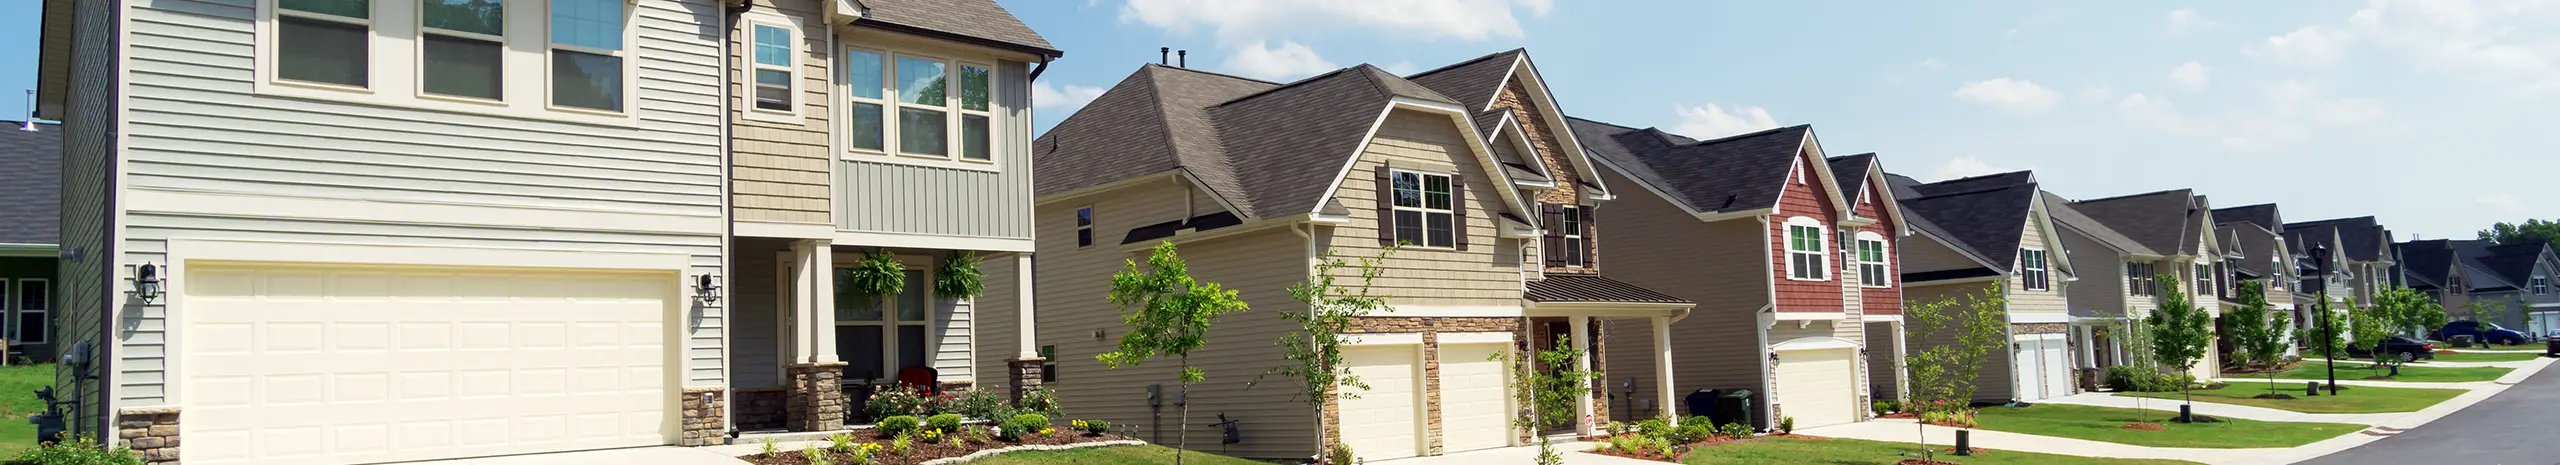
(914, 442)
(1659, 441)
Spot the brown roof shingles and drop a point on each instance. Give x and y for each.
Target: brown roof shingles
(980, 19)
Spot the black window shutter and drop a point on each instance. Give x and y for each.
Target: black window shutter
(1554, 221)
(1386, 207)
(1589, 247)
(1458, 210)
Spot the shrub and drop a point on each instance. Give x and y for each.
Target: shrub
(1342, 455)
(1038, 400)
(815, 456)
(770, 448)
(1092, 427)
(943, 423)
(840, 443)
(898, 426)
(1615, 428)
(895, 401)
(83, 450)
(1023, 425)
(899, 446)
(1786, 425)
(1695, 431)
(1652, 428)
(984, 404)
(1883, 408)
(2131, 379)
(938, 404)
(862, 455)
(1735, 430)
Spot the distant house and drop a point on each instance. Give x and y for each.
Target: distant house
(2253, 237)
(2145, 237)
(2515, 280)
(30, 228)
(1993, 230)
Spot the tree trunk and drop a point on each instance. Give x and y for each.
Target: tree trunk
(1182, 431)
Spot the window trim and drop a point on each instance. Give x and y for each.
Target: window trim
(1084, 226)
(1883, 263)
(419, 89)
(17, 296)
(2140, 279)
(1572, 237)
(1821, 251)
(2541, 285)
(2204, 280)
(797, 53)
(889, 321)
(1422, 183)
(960, 114)
(2039, 276)
(952, 110)
(391, 65)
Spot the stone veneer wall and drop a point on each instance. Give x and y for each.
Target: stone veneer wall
(704, 414)
(817, 401)
(1430, 328)
(764, 408)
(152, 433)
(1025, 374)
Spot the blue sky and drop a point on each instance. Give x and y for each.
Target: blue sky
(2436, 115)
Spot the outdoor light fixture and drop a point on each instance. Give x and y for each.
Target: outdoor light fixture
(146, 282)
(707, 287)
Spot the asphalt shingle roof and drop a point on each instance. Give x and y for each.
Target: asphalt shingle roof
(2067, 215)
(980, 19)
(1850, 173)
(2157, 220)
(2363, 239)
(2514, 263)
(1737, 173)
(1593, 288)
(2264, 215)
(1986, 215)
(31, 178)
(2431, 261)
(1473, 83)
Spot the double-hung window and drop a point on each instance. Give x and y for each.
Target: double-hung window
(2033, 271)
(1807, 255)
(544, 59)
(2139, 279)
(586, 54)
(1573, 236)
(2541, 285)
(1872, 271)
(34, 300)
(462, 48)
(1084, 227)
(905, 104)
(1425, 213)
(776, 82)
(324, 42)
(2204, 281)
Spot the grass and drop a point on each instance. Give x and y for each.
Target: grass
(2107, 424)
(17, 400)
(2356, 399)
(1113, 455)
(1777, 451)
(2483, 357)
(2413, 374)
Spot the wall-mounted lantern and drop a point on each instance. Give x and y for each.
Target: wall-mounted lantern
(147, 282)
(707, 288)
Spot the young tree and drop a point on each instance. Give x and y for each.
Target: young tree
(2370, 326)
(1945, 372)
(2254, 333)
(1550, 395)
(1315, 348)
(1168, 314)
(2180, 333)
(2486, 313)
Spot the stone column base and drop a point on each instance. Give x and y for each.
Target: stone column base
(763, 408)
(152, 433)
(817, 397)
(1025, 374)
(705, 411)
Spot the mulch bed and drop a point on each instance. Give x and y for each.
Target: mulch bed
(2274, 396)
(919, 451)
(2146, 427)
(1693, 447)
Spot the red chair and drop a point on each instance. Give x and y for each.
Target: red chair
(923, 378)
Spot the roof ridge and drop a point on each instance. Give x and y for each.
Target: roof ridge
(1973, 191)
(1464, 63)
(1290, 85)
(2128, 196)
(1211, 73)
(1981, 176)
(1762, 132)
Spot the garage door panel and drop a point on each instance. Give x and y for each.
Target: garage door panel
(1474, 406)
(1384, 421)
(1817, 387)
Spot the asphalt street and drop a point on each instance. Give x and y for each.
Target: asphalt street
(2518, 427)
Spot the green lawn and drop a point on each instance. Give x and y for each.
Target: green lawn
(2107, 424)
(17, 400)
(2356, 399)
(1778, 451)
(2482, 357)
(2414, 374)
(1114, 455)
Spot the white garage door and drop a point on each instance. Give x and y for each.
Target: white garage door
(2057, 365)
(301, 364)
(1385, 421)
(2041, 366)
(1816, 386)
(1475, 407)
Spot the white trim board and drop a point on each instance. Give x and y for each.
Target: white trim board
(1812, 343)
(2039, 318)
(1453, 311)
(927, 241)
(1474, 338)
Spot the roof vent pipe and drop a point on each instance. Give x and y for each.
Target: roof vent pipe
(1160, 58)
(1182, 59)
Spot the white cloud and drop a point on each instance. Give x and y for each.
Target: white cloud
(2312, 46)
(1402, 67)
(1964, 167)
(2297, 112)
(2501, 42)
(2506, 204)
(2012, 95)
(1931, 64)
(2193, 75)
(1713, 121)
(1236, 21)
(1288, 62)
(1062, 100)
(2185, 20)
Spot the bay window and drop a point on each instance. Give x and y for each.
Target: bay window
(907, 101)
(1425, 213)
(1872, 271)
(1807, 259)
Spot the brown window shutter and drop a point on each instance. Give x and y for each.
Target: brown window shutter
(1386, 207)
(1589, 247)
(1458, 210)
(1553, 217)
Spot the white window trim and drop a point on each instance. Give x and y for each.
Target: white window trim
(419, 88)
(2204, 280)
(951, 109)
(1884, 261)
(17, 295)
(2541, 285)
(1084, 225)
(2043, 269)
(395, 64)
(889, 321)
(798, 54)
(1422, 183)
(1574, 244)
(1822, 248)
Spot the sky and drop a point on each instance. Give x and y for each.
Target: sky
(2438, 116)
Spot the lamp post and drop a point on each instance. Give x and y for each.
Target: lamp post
(2328, 318)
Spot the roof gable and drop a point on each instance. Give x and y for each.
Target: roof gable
(2265, 215)
(1478, 85)
(2361, 238)
(2161, 221)
(2068, 216)
(982, 20)
(1987, 219)
(1747, 172)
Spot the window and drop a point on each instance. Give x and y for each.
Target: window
(1872, 271)
(2541, 285)
(1084, 227)
(863, 76)
(1806, 259)
(1573, 236)
(461, 48)
(2033, 271)
(975, 136)
(878, 337)
(324, 41)
(2139, 279)
(1424, 214)
(586, 54)
(2204, 280)
(34, 299)
(907, 100)
(776, 80)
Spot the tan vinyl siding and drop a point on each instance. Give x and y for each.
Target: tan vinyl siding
(781, 168)
(757, 307)
(1419, 275)
(1993, 383)
(2049, 301)
(998, 320)
(88, 162)
(1074, 286)
(1719, 265)
(2101, 289)
(1882, 374)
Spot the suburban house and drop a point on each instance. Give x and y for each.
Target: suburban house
(2515, 279)
(1987, 231)
(2365, 246)
(2254, 238)
(1788, 266)
(2141, 237)
(2440, 270)
(30, 177)
(2531, 267)
(1490, 207)
(877, 133)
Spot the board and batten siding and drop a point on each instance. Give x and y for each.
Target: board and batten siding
(1415, 275)
(1073, 286)
(89, 279)
(912, 199)
(781, 169)
(1719, 265)
(196, 127)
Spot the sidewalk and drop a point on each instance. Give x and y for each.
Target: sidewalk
(1902, 430)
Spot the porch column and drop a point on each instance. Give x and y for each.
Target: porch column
(1027, 366)
(1582, 404)
(795, 311)
(1901, 362)
(1667, 399)
(816, 399)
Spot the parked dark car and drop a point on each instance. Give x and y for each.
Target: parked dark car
(2489, 333)
(2404, 347)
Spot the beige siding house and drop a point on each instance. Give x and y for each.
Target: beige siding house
(1991, 237)
(2151, 236)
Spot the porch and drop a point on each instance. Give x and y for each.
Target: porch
(1565, 304)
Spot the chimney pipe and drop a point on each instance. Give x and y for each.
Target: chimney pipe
(1182, 59)
(1160, 58)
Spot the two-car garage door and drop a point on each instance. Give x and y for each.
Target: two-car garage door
(354, 364)
(1386, 421)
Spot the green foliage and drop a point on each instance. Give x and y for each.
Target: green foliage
(769, 449)
(1786, 425)
(813, 455)
(2180, 331)
(2126, 378)
(899, 446)
(1342, 455)
(1734, 430)
(959, 277)
(1021, 425)
(897, 400)
(1168, 314)
(877, 274)
(982, 404)
(2485, 311)
(2256, 333)
(2329, 329)
(1883, 408)
(947, 422)
(840, 443)
(1093, 427)
(1551, 393)
(2531, 231)
(1315, 347)
(1038, 400)
(1978, 323)
(898, 425)
(2370, 326)
(82, 450)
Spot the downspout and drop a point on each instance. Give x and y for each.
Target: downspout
(728, 213)
(1044, 66)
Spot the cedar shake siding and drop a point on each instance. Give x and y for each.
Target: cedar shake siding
(1549, 149)
(1807, 199)
(1880, 300)
(1703, 262)
(780, 167)
(1476, 276)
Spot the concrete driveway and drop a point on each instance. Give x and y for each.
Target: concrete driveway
(636, 456)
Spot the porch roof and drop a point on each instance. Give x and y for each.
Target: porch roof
(1564, 288)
